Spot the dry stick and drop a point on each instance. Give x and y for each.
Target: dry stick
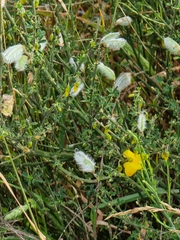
(42, 237)
(63, 6)
(147, 208)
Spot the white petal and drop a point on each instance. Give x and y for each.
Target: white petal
(72, 63)
(13, 54)
(116, 44)
(123, 81)
(43, 43)
(82, 67)
(75, 93)
(124, 21)
(110, 36)
(61, 40)
(20, 65)
(85, 162)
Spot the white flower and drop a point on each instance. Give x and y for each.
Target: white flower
(116, 44)
(13, 54)
(20, 65)
(72, 63)
(43, 43)
(123, 81)
(82, 67)
(85, 162)
(106, 71)
(61, 40)
(3, 2)
(141, 121)
(108, 37)
(77, 88)
(112, 41)
(172, 46)
(124, 21)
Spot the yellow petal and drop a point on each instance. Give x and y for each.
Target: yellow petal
(67, 91)
(165, 156)
(136, 165)
(137, 157)
(76, 85)
(128, 154)
(128, 169)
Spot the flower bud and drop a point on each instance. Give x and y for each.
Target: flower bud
(124, 21)
(141, 121)
(61, 40)
(106, 71)
(123, 81)
(165, 155)
(172, 46)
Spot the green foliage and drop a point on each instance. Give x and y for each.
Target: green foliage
(38, 139)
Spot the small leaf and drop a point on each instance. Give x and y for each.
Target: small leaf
(15, 213)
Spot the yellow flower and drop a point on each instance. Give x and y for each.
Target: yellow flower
(67, 91)
(165, 156)
(78, 87)
(106, 132)
(134, 163)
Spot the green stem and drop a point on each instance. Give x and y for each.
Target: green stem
(19, 181)
(157, 201)
(14, 24)
(1, 60)
(168, 184)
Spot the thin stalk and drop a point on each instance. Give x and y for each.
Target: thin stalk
(168, 184)
(20, 184)
(14, 24)
(157, 201)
